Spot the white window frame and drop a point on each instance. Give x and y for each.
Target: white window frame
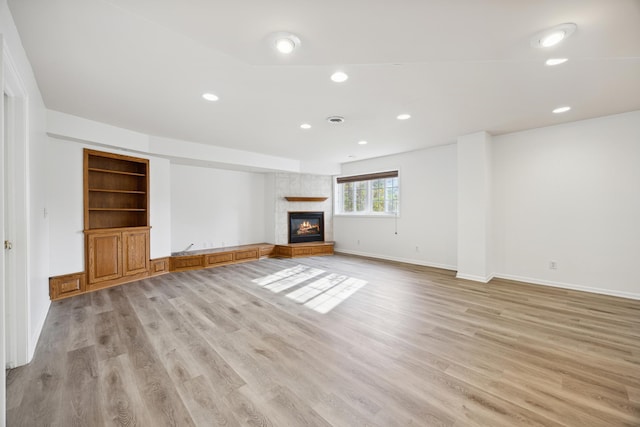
(369, 212)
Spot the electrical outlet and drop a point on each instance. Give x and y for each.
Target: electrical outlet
(553, 265)
(358, 241)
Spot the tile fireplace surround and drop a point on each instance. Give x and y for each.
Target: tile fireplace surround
(286, 184)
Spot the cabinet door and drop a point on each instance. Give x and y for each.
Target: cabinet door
(135, 252)
(104, 256)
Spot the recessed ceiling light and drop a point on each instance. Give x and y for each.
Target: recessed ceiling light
(404, 116)
(351, 156)
(305, 126)
(285, 42)
(339, 77)
(210, 96)
(555, 61)
(561, 110)
(285, 46)
(335, 119)
(551, 39)
(362, 142)
(553, 36)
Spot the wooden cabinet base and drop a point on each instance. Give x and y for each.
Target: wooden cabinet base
(75, 284)
(206, 258)
(159, 266)
(297, 250)
(67, 285)
(122, 280)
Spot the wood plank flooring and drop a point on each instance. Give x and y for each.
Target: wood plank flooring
(331, 341)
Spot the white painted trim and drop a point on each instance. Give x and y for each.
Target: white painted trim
(35, 336)
(571, 286)
(387, 216)
(3, 335)
(475, 278)
(14, 86)
(397, 259)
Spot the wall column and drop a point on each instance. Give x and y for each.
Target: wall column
(474, 207)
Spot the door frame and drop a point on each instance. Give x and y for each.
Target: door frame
(16, 293)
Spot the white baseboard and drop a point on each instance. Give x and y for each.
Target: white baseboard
(397, 259)
(33, 341)
(571, 286)
(610, 292)
(481, 279)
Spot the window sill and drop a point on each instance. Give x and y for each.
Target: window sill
(364, 215)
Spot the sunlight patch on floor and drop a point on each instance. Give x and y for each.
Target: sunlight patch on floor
(262, 281)
(314, 289)
(294, 280)
(321, 295)
(330, 299)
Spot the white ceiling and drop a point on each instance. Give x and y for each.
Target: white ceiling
(457, 66)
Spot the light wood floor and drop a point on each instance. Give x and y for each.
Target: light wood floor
(414, 346)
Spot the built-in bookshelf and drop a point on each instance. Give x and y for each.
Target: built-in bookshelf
(116, 219)
(116, 191)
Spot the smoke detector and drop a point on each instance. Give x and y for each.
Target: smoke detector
(335, 119)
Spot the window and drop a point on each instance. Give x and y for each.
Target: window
(370, 194)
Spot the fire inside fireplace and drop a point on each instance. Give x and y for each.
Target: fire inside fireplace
(306, 227)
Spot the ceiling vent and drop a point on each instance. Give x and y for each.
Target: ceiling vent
(335, 119)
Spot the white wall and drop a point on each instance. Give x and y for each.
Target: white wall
(214, 207)
(428, 211)
(570, 194)
(474, 207)
(160, 203)
(66, 220)
(270, 207)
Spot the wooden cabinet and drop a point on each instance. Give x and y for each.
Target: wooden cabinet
(135, 252)
(104, 256)
(116, 218)
(116, 256)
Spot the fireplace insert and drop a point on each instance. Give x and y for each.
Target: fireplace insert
(306, 227)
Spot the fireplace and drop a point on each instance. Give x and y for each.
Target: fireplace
(306, 227)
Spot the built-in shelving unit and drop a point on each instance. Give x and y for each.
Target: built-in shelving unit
(116, 225)
(116, 191)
